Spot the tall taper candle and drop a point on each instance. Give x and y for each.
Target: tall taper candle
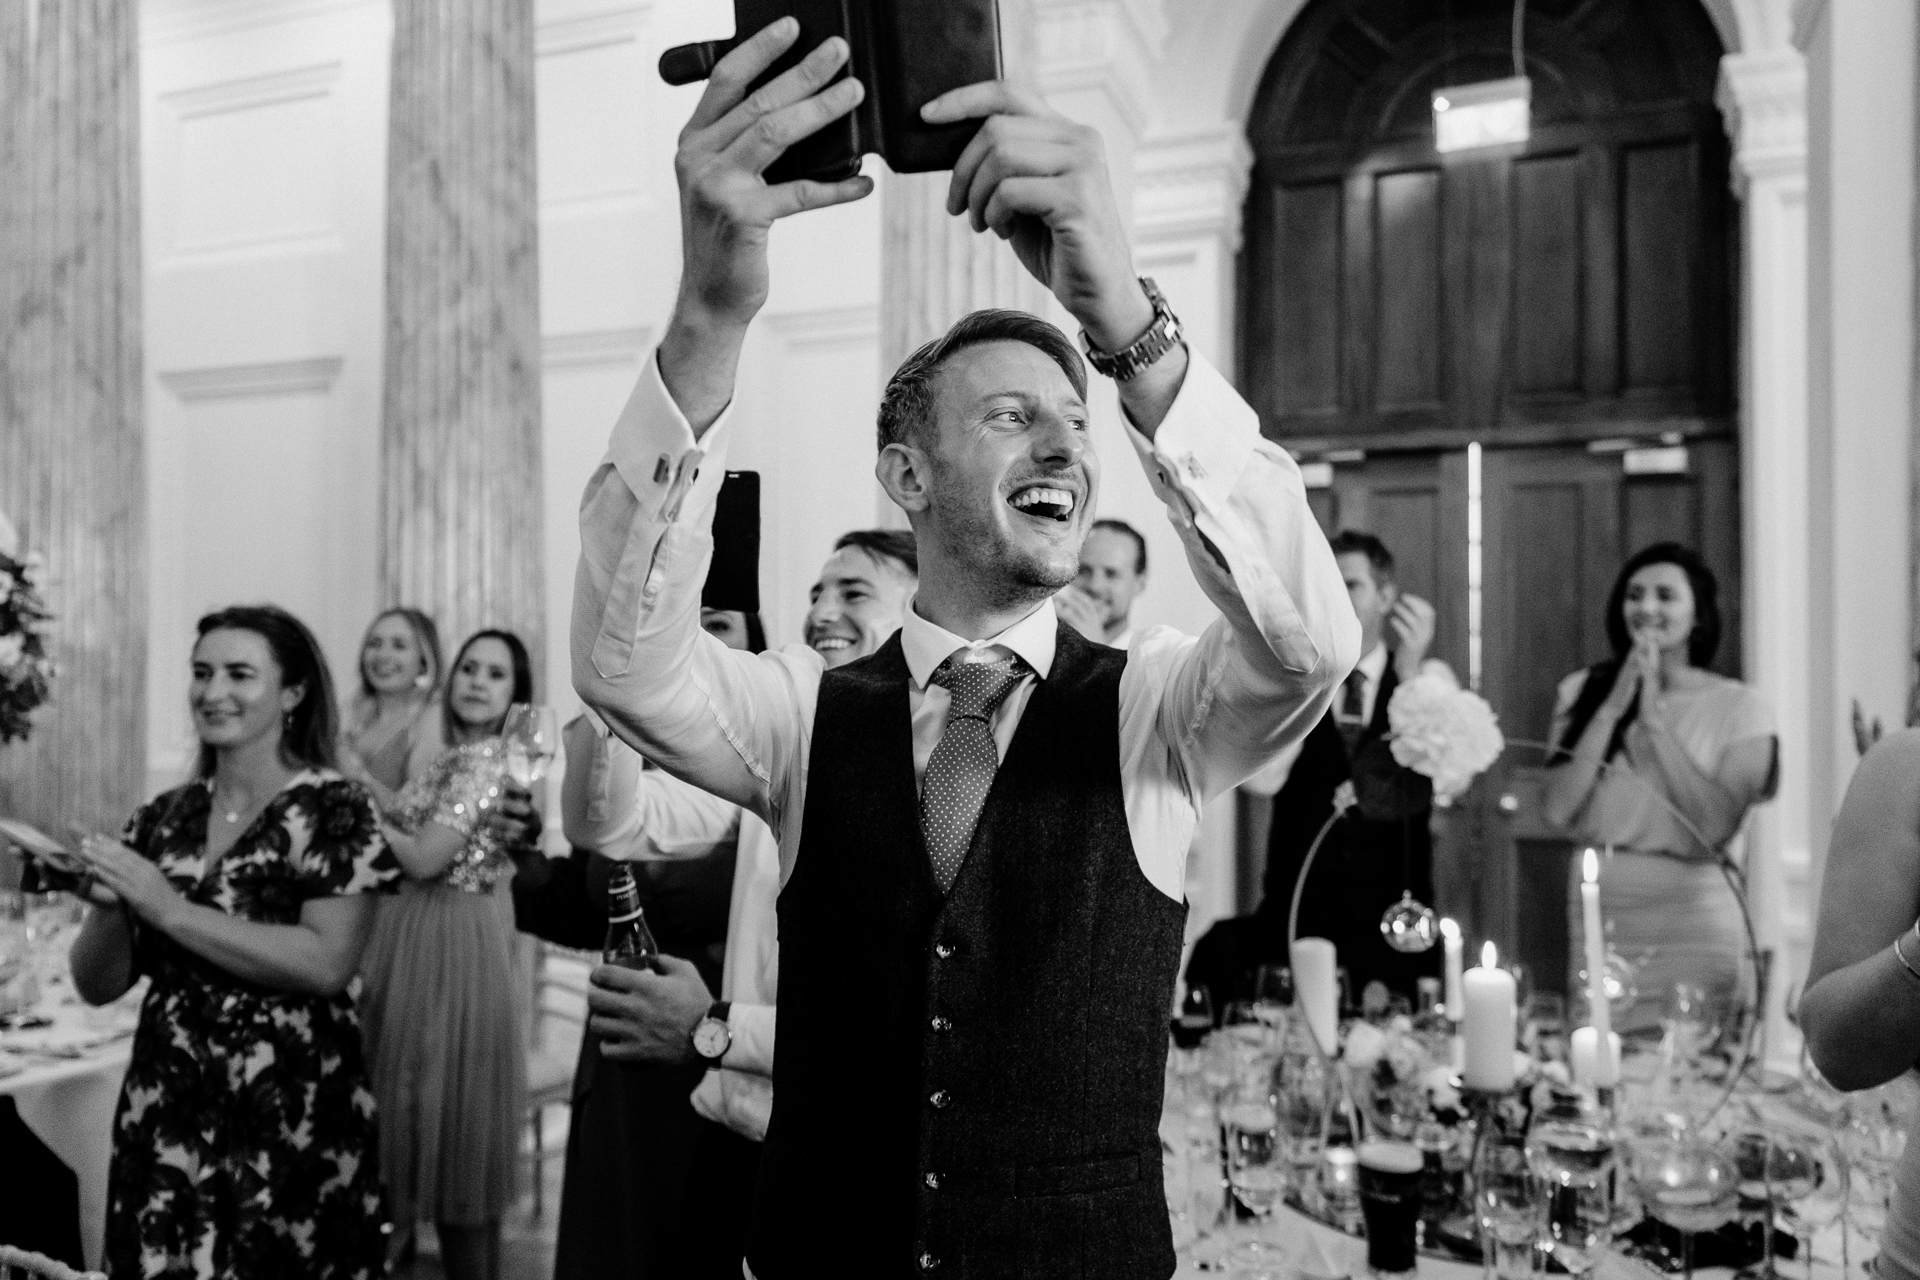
(1489, 1025)
(1455, 996)
(1316, 990)
(1600, 1015)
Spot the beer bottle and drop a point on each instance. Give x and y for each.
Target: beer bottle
(630, 943)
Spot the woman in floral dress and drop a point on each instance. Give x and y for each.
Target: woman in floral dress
(244, 1143)
(445, 1029)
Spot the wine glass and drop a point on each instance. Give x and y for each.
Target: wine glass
(1302, 1087)
(532, 736)
(1579, 1224)
(1272, 994)
(1816, 1203)
(1256, 1170)
(1772, 1169)
(1509, 1202)
(1686, 1183)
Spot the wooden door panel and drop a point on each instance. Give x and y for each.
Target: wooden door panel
(1660, 237)
(1410, 325)
(1547, 238)
(1302, 364)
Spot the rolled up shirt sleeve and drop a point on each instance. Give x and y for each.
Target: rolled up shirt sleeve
(1227, 704)
(642, 814)
(731, 723)
(752, 1047)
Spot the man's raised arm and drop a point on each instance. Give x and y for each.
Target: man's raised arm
(727, 723)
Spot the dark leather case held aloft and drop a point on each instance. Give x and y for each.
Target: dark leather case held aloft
(906, 52)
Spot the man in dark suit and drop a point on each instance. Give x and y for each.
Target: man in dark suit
(1380, 848)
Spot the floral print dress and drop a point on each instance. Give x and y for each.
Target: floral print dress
(244, 1144)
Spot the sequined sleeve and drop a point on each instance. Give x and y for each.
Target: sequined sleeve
(456, 793)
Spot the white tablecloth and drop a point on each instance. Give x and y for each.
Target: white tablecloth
(65, 1080)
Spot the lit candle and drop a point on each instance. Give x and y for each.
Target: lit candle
(1489, 1023)
(1588, 1067)
(1456, 1001)
(1600, 1015)
(1316, 988)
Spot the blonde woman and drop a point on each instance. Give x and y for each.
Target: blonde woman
(392, 734)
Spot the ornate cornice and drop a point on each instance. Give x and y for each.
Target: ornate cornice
(1109, 46)
(1191, 184)
(1764, 99)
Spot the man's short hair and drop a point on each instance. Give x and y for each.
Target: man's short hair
(1353, 542)
(907, 403)
(1126, 530)
(896, 545)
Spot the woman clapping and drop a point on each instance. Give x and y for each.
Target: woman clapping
(244, 1143)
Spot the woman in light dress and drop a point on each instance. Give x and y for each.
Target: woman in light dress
(442, 1002)
(392, 731)
(1659, 760)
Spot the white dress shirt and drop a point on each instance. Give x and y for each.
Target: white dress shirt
(637, 814)
(1197, 715)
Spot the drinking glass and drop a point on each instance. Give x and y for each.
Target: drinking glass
(1817, 1202)
(1686, 1183)
(1273, 994)
(1302, 1089)
(1510, 1204)
(1390, 1202)
(1874, 1141)
(1256, 1171)
(532, 736)
(1544, 1026)
(1579, 1224)
(1773, 1169)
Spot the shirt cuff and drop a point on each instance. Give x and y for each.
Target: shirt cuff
(1206, 439)
(752, 1047)
(655, 452)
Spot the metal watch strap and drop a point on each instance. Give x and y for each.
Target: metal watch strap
(1160, 338)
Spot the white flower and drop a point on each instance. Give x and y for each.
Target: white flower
(1445, 732)
(6, 584)
(9, 537)
(1365, 1044)
(11, 649)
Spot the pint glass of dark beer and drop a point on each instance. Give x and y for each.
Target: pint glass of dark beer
(1390, 1203)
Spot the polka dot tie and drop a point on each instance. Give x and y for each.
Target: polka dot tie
(960, 770)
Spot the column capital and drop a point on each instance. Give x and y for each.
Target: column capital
(1108, 46)
(1192, 184)
(1763, 96)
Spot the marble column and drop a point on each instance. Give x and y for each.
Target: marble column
(72, 451)
(460, 431)
(1764, 98)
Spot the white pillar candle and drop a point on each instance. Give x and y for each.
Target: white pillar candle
(1455, 996)
(1600, 1015)
(1316, 990)
(1489, 1024)
(1588, 1067)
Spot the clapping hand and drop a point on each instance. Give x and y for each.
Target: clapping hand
(117, 874)
(1079, 610)
(1410, 627)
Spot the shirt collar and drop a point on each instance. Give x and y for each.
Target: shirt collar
(1374, 665)
(927, 646)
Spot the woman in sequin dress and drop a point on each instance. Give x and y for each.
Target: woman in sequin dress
(244, 1141)
(442, 1011)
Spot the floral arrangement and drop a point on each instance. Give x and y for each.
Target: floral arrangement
(1442, 731)
(26, 672)
(1406, 1077)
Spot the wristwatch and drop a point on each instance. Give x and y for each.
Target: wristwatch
(1159, 338)
(712, 1037)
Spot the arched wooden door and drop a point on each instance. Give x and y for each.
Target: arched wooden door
(1537, 345)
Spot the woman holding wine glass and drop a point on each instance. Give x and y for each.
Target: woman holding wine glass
(443, 1019)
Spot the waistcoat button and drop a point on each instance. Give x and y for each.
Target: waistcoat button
(943, 949)
(942, 1024)
(932, 1180)
(927, 1261)
(940, 1099)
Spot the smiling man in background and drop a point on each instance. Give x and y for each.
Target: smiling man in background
(862, 594)
(1113, 573)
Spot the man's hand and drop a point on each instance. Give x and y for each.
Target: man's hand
(1039, 181)
(647, 1015)
(1080, 611)
(1410, 634)
(727, 208)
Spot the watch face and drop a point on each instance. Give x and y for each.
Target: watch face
(711, 1039)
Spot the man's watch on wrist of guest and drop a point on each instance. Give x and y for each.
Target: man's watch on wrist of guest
(1160, 338)
(711, 1036)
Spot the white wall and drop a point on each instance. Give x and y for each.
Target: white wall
(263, 154)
